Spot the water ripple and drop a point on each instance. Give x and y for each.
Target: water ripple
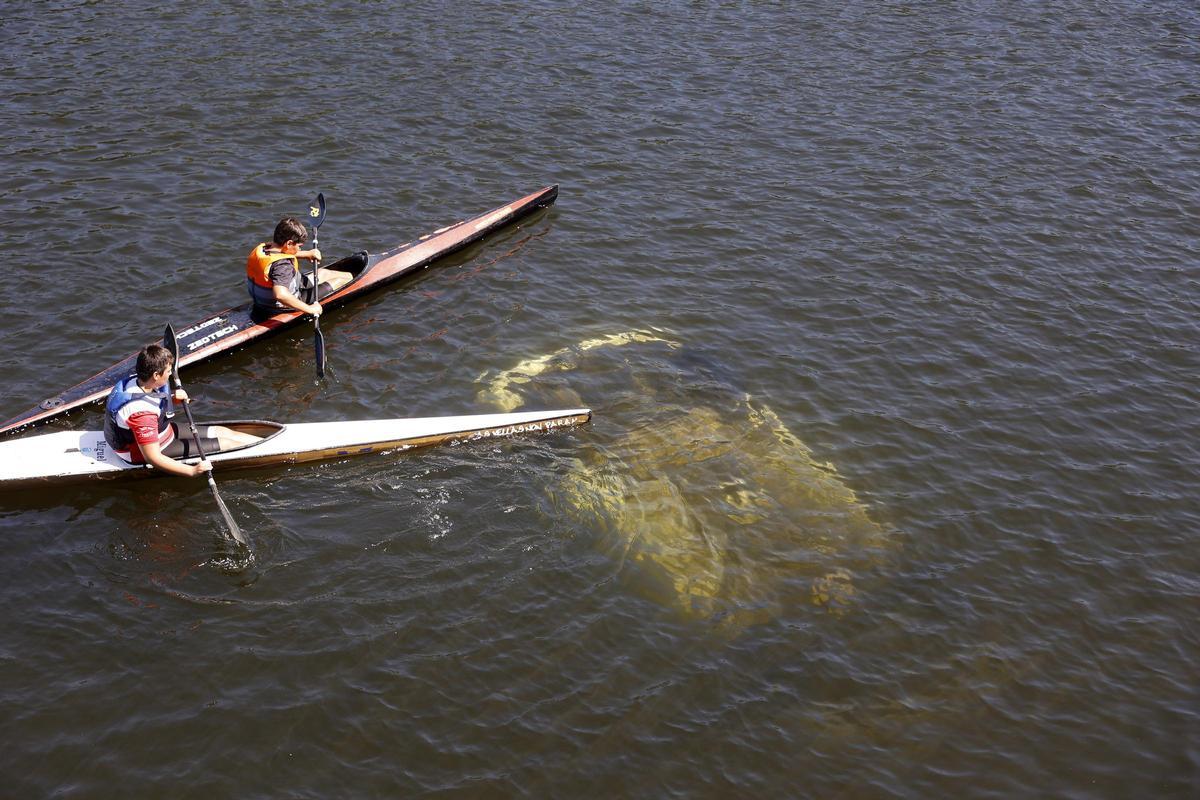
(947, 250)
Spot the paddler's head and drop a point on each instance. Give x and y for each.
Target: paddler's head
(289, 233)
(154, 364)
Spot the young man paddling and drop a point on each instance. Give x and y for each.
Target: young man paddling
(274, 278)
(136, 425)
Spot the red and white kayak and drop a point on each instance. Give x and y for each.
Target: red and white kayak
(79, 456)
(236, 327)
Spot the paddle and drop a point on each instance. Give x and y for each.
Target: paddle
(317, 212)
(173, 345)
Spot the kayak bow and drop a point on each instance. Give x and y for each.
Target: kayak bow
(237, 327)
(79, 456)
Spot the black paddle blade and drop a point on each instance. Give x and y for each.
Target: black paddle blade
(316, 211)
(172, 344)
(319, 342)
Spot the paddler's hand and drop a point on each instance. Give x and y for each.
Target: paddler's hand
(181, 396)
(201, 468)
(312, 308)
(312, 255)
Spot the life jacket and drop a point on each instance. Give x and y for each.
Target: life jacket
(258, 276)
(121, 439)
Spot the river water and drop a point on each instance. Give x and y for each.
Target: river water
(886, 313)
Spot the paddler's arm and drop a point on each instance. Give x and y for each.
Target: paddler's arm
(154, 456)
(283, 295)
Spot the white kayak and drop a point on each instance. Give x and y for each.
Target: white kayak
(76, 456)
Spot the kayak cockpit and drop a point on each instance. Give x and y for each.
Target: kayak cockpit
(354, 264)
(263, 430)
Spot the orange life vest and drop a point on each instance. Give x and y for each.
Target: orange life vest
(258, 267)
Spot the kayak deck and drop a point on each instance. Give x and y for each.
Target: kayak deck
(80, 456)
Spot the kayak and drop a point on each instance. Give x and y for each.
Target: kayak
(67, 457)
(237, 327)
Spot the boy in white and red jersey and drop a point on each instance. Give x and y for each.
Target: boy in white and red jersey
(136, 426)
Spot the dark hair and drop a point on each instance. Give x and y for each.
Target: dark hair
(153, 358)
(290, 228)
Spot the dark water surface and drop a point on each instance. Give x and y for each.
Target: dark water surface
(887, 313)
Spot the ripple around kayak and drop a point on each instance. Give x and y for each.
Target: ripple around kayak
(723, 514)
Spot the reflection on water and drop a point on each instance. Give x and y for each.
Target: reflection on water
(723, 513)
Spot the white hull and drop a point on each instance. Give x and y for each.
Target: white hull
(73, 456)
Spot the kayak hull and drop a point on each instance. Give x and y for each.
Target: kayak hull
(69, 457)
(238, 326)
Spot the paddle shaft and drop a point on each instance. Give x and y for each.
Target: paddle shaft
(177, 383)
(212, 484)
(318, 337)
(318, 214)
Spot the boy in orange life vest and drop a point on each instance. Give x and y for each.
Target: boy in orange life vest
(136, 425)
(273, 275)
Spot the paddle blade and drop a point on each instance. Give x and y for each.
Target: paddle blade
(172, 344)
(234, 530)
(319, 343)
(316, 211)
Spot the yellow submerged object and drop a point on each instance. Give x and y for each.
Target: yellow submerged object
(717, 510)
